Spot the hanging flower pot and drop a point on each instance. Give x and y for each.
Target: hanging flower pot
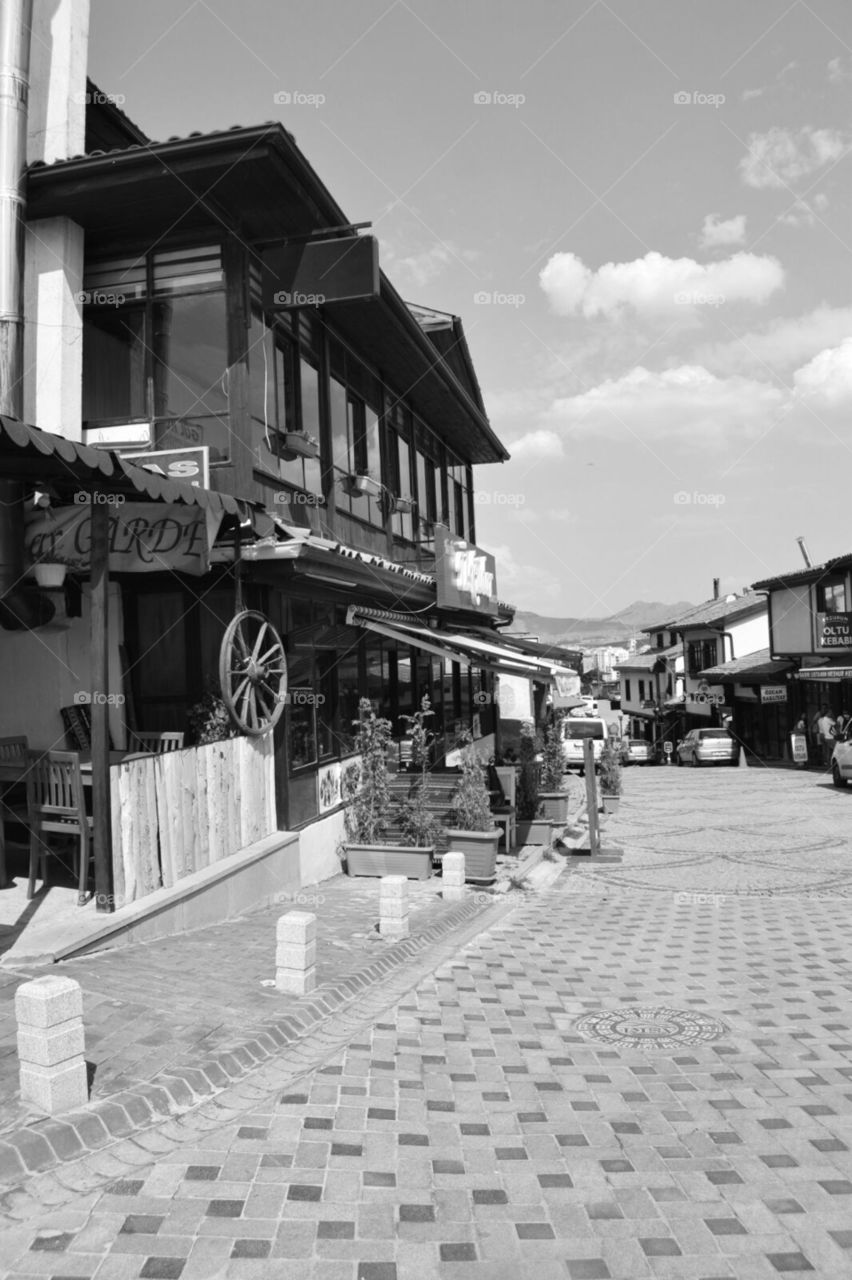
(402, 506)
(296, 444)
(358, 486)
(49, 575)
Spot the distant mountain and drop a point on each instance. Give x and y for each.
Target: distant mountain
(593, 631)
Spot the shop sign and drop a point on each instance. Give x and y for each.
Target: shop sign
(828, 675)
(190, 465)
(834, 630)
(514, 697)
(773, 693)
(567, 686)
(466, 575)
(144, 537)
(799, 748)
(316, 272)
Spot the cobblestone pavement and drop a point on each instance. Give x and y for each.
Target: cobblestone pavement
(160, 1005)
(646, 1071)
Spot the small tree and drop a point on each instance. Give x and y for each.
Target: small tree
(368, 816)
(526, 797)
(553, 764)
(419, 825)
(610, 769)
(471, 809)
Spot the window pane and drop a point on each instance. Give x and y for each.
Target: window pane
(339, 430)
(191, 351)
(114, 364)
(348, 695)
(181, 269)
(310, 398)
(261, 373)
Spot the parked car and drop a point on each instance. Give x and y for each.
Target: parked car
(575, 731)
(637, 751)
(841, 761)
(708, 746)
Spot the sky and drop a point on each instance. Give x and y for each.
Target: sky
(639, 210)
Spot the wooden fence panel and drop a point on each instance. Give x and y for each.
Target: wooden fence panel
(135, 852)
(181, 833)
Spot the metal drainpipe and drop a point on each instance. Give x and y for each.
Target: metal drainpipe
(17, 609)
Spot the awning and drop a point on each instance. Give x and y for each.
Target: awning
(27, 453)
(830, 672)
(752, 668)
(466, 650)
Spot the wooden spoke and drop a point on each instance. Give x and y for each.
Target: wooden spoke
(253, 673)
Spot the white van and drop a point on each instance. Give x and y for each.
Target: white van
(576, 730)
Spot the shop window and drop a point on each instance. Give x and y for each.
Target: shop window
(114, 386)
(349, 694)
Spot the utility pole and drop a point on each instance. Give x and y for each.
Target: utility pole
(591, 796)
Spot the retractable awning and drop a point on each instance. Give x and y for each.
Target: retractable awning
(466, 650)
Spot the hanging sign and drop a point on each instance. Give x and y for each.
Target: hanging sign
(320, 271)
(190, 465)
(773, 693)
(834, 630)
(144, 537)
(466, 575)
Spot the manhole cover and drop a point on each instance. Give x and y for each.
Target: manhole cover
(649, 1027)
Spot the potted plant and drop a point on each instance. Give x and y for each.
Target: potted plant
(368, 816)
(610, 777)
(50, 568)
(532, 826)
(419, 825)
(473, 831)
(209, 720)
(553, 794)
(298, 444)
(362, 485)
(402, 506)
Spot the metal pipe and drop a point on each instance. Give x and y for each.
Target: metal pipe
(15, 32)
(804, 550)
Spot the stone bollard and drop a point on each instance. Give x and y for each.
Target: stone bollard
(452, 869)
(393, 907)
(296, 952)
(51, 1048)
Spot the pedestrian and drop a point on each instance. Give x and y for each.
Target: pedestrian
(826, 731)
(842, 725)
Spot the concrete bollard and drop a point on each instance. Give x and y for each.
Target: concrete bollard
(296, 952)
(393, 907)
(452, 870)
(51, 1045)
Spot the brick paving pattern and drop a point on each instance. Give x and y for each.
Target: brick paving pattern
(472, 1130)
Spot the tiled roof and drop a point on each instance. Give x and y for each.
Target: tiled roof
(151, 144)
(804, 574)
(702, 615)
(645, 661)
(749, 667)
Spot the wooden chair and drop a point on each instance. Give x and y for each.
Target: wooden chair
(56, 806)
(158, 743)
(12, 751)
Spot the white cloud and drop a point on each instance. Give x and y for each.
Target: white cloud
(805, 214)
(687, 402)
(537, 444)
(656, 285)
(425, 264)
(826, 381)
(527, 586)
(839, 71)
(779, 158)
(716, 232)
(783, 345)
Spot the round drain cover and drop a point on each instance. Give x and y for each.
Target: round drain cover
(649, 1027)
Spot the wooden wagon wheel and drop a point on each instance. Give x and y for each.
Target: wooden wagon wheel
(253, 673)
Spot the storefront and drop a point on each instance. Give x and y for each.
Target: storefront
(758, 696)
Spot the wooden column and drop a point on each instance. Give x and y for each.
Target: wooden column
(591, 796)
(101, 808)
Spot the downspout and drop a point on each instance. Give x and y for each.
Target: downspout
(18, 609)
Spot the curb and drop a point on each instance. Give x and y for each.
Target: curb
(45, 1143)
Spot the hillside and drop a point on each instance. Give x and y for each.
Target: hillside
(614, 629)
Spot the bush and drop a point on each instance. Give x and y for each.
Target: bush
(610, 769)
(526, 798)
(368, 815)
(553, 763)
(471, 809)
(420, 827)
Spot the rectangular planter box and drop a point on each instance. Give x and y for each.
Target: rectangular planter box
(388, 860)
(539, 831)
(555, 805)
(480, 852)
(610, 803)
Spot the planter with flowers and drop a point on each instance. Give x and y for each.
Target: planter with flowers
(532, 825)
(362, 486)
(298, 444)
(610, 777)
